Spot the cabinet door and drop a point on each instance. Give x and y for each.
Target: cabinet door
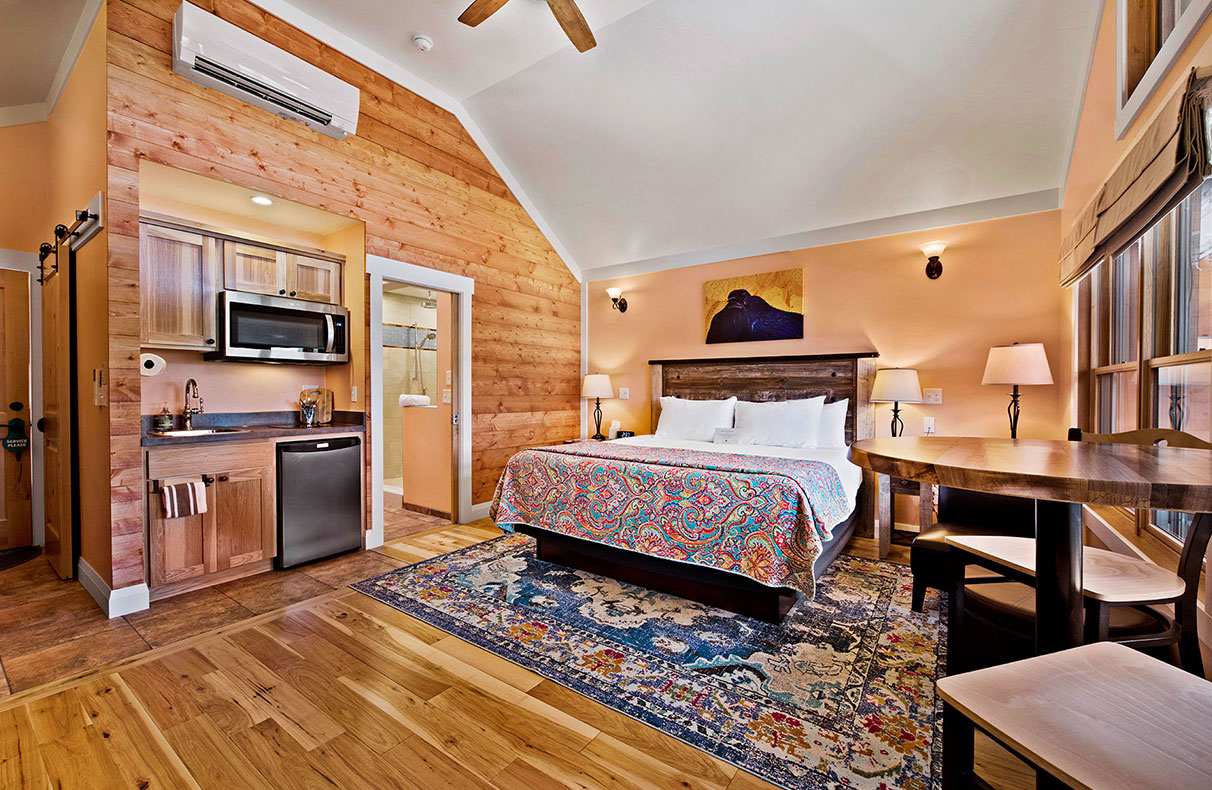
(313, 279)
(245, 530)
(177, 546)
(178, 277)
(247, 267)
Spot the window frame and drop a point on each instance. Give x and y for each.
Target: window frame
(1129, 103)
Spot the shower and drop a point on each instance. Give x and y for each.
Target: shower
(418, 346)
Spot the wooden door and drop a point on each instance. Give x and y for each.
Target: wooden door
(313, 279)
(16, 522)
(247, 267)
(178, 278)
(57, 477)
(244, 530)
(178, 546)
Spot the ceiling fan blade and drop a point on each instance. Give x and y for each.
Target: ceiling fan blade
(574, 24)
(480, 10)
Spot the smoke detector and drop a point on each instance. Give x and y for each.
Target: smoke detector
(422, 42)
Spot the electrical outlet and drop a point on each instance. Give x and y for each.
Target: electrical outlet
(353, 394)
(932, 396)
(928, 425)
(624, 393)
(446, 396)
(448, 378)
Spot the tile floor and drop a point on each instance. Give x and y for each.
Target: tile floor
(51, 629)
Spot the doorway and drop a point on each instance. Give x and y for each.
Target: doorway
(420, 392)
(21, 505)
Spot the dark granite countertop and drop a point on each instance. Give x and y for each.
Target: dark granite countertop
(254, 426)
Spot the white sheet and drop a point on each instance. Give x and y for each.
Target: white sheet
(850, 475)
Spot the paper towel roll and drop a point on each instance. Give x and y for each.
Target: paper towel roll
(151, 364)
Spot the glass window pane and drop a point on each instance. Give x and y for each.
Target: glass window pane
(1172, 523)
(1125, 304)
(1182, 398)
(1115, 405)
(1182, 291)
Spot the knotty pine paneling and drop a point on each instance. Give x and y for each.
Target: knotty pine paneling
(426, 192)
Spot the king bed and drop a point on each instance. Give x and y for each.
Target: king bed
(744, 518)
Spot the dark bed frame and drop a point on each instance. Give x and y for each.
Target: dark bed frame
(835, 376)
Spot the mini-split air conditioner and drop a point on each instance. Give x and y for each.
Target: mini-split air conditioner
(219, 55)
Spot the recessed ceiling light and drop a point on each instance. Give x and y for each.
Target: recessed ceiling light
(261, 200)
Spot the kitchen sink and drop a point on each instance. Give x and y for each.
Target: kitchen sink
(198, 432)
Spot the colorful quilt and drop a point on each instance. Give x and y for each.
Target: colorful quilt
(761, 517)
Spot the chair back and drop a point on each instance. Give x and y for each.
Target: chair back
(1011, 514)
(1158, 437)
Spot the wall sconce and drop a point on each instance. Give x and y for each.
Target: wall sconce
(932, 250)
(616, 299)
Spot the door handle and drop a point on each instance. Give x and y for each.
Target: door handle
(41, 425)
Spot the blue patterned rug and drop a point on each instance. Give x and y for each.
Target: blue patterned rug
(841, 693)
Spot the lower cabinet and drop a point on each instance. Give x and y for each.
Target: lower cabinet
(238, 528)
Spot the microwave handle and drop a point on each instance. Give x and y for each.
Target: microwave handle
(330, 325)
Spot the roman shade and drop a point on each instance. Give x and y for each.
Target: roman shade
(1168, 161)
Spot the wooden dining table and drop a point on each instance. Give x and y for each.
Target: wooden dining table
(1061, 476)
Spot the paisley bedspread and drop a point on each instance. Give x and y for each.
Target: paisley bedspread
(760, 517)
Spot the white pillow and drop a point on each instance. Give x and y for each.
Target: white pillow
(695, 420)
(788, 423)
(832, 432)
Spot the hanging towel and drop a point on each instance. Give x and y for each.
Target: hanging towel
(183, 496)
(414, 400)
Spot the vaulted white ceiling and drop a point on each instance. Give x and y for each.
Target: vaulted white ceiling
(702, 130)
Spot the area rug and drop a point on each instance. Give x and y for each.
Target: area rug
(840, 694)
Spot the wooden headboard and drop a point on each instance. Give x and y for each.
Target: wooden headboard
(835, 376)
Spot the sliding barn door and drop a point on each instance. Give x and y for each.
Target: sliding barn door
(56, 416)
(16, 524)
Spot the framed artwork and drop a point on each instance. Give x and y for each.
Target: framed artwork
(767, 306)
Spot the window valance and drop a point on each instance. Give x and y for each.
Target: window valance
(1164, 166)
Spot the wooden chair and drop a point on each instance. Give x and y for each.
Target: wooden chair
(1097, 716)
(964, 513)
(1122, 593)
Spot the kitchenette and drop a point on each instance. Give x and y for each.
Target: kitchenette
(254, 450)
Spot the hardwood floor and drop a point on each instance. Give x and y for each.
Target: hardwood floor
(340, 691)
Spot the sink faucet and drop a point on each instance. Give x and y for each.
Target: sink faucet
(191, 391)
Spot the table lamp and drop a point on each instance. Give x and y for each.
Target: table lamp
(1020, 364)
(597, 386)
(896, 386)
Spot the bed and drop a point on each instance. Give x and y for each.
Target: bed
(744, 527)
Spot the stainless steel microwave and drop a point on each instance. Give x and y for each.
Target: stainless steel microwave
(258, 328)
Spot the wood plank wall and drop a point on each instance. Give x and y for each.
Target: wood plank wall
(426, 192)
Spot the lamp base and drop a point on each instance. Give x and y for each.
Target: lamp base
(1013, 410)
(597, 421)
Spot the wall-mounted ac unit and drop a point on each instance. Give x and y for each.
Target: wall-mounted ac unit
(219, 55)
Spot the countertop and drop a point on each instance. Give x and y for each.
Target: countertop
(255, 426)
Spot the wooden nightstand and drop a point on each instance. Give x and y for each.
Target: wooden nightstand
(889, 487)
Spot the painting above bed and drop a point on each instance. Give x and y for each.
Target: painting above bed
(766, 306)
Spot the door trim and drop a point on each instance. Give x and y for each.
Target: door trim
(28, 262)
(462, 288)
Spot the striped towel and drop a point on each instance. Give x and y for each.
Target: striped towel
(183, 496)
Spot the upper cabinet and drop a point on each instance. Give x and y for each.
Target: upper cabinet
(181, 271)
(178, 275)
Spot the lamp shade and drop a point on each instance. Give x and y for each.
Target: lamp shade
(597, 385)
(1021, 363)
(896, 384)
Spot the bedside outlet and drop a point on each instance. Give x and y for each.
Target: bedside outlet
(624, 393)
(928, 426)
(932, 396)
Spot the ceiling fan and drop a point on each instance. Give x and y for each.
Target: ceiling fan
(566, 13)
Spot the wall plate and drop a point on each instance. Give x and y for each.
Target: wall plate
(932, 395)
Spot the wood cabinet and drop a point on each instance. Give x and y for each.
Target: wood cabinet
(238, 529)
(314, 279)
(178, 277)
(260, 270)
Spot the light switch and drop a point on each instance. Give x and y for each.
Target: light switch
(624, 393)
(446, 396)
(932, 395)
(448, 378)
(353, 394)
(928, 426)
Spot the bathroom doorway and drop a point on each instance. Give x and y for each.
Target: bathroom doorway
(420, 395)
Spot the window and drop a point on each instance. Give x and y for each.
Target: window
(1150, 332)
(1151, 36)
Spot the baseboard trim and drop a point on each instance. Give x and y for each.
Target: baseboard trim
(479, 511)
(115, 603)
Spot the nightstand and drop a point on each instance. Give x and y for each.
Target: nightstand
(889, 487)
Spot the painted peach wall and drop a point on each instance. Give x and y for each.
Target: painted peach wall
(24, 167)
(998, 286)
(428, 440)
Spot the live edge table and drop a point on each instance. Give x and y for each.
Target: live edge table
(1060, 476)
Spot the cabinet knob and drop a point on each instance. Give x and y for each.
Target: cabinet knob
(292, 293)
(210, 341)
(282, 291)
(207, 480)
(222, 478)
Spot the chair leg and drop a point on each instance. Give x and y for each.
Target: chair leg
(1098, 621)
(919, 595)
(955, 614)
(959, 757)
(1189, 653)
